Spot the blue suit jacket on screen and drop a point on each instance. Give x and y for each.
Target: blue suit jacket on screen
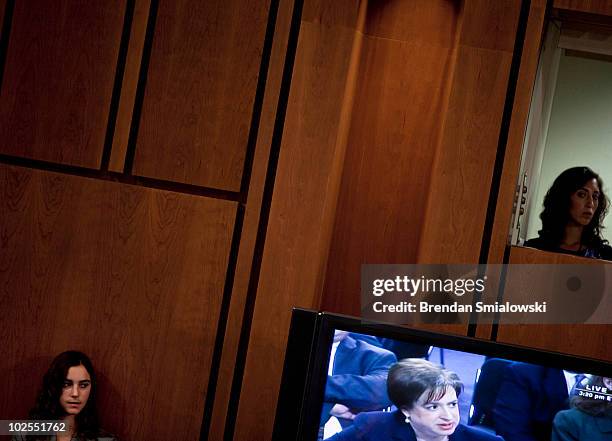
(391, 426)
(528, 400)
(359, 379)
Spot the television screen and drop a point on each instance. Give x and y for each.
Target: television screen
(353, 380)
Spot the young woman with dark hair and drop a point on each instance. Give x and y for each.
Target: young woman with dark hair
(572, 220)
(68, 393)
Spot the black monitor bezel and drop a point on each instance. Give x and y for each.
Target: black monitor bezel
(312, 387)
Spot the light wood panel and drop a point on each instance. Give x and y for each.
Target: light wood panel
(58, 79)
(591, 6)
(518, 122)
(462, 173)
(251, 223)
(132, 276)
(514, 145)
(200, 91)
(303, 205)
(402, 89)
(128, 86)
(584, 340)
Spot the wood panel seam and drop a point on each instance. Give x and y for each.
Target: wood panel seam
(141, 181)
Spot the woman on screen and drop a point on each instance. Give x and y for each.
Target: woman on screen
(425, 395)
(590, 418)
(68, 393)
(574, 209)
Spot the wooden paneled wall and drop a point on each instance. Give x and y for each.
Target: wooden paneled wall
(130, 167)
(302, 210)
(58, 80)
(176, 175)
(402, 89)
(417, 174)
(584, 340)
(200, 91)
(131, 276)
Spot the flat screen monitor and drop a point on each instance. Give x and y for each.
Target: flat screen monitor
(346, 379)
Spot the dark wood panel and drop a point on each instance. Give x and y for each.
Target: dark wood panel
(2, 12)
(591, 6)
(200, 91)
(250, 227)
(402, 89)
(338, 14)
(129, 84)
(303, 206)
(58, 80)
(584, 340)
(132, 276)
(431, 23)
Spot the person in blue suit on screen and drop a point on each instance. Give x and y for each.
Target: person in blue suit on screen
(357, 376)
(528, 400)
(425, 395)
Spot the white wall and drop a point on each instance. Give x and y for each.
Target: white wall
(580, 129)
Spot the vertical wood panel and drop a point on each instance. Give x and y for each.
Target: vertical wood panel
(303, 204)
(463, 169)
(128, 86)
(58, 79)
(402, 89)
(200, 91)
(134, 277)
(592, 6)
(251, 222)
(518, 123)
(583, 340)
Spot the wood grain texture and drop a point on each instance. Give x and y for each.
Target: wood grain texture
(462, 172)
(133, 277)
(337, 14)
(58, 80)
(583, 340)
(514, 146)
(128, 86)
(251, 224)
(402, 89)
(603, 7)
(301, 215)
(200, 91)
(516, 134)
(431, 23)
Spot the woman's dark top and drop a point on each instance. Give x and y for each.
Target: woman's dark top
(602, 251)
(102, 436)
(391, 426)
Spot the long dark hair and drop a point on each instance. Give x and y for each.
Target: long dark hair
(48, 402)
(557, 204)
(591, 406)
